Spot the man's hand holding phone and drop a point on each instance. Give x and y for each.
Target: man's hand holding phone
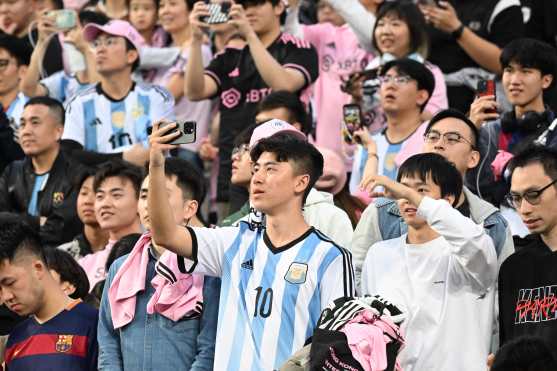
(199, 12)
(163, 132)
(484, 108)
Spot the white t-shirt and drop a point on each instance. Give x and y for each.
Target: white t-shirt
(105, 125)
(270, 299)
(445, 286)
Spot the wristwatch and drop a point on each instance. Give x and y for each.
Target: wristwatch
(456, 34)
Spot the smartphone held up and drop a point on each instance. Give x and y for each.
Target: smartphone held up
(187, 130)
(218, 12)
(486, 88)
(352, 121)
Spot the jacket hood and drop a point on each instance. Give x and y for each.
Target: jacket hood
(318, 197)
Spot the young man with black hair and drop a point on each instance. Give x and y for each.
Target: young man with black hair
(40, 184)
(528, 71)
(406, 86)
(14, 59)
(278, 278)
(270, 61)
(112, 116)
(319, 209)
(188, 340)
(528, 279)
(452, 135)
(116, 185)
(60, 333)
(441, 273)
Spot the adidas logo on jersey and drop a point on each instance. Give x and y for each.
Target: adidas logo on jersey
(248, 264)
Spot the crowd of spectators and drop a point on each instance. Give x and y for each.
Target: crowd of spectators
(278, 185)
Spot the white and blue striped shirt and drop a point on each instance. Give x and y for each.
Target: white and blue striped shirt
(271, 298)
(102, 124)
(15, 110)
(62, 86)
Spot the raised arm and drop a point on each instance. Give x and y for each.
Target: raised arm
(361, 21)
(197, 85)
(164, 229)
(30, 83)
(273, 73)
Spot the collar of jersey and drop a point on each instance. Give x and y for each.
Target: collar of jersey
(102, 92)
(276, 250)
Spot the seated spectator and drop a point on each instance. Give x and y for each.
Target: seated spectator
(130, 323)
(399, 32)
(340, 55)
(466, 41)
(281, 62)
(62, 85)
(93, 238)
(60, 333)
(522, 297)
(143, 16)
(525, 354)
(67, 272)
(174, 19)
(451, 135)
(529, 69)
(113, 115)
(116, 187)
(440, 274)
(406, 86)
(252, 259)
(14, 59)
(40, 184)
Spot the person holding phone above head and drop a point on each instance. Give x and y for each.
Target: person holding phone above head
(62, 85)
(466, 41)
(279, 278)
(528, 71)
(270, 60)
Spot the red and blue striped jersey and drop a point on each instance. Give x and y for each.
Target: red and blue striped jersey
(67, 342)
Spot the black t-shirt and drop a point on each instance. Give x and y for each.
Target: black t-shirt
(477, 15)
(528, 291)
(241, 88)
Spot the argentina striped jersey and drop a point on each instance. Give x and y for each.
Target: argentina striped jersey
(102, 124)
(271, 298)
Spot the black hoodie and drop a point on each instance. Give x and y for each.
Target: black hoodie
(528, 291)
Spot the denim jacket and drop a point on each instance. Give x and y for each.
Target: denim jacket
(154, 342)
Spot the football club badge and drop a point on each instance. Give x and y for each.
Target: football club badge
(57, 198)
(64, 343)
(296, 273)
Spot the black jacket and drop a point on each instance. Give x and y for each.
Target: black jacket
(56, 201)
(528, 292)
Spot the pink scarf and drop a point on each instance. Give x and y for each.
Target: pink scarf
(176, 294)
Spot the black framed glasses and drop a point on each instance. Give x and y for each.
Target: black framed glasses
(451, 138)
(533, 197)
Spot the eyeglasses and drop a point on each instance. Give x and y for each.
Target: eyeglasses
(4, 63)
(450, 138)
(109, 41)
(240, 150)
(397, 80)
(533, 197)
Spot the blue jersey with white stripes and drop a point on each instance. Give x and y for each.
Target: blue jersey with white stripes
(271, 298)
(102, 124)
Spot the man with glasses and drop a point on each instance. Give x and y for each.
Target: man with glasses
(528, 278)
(406, 86)
(113, 115)
(452, 135)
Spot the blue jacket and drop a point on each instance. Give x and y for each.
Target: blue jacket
(154, 342)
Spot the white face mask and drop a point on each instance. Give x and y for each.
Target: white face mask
(75, 59)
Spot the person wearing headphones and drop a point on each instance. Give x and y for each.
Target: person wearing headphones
(528, 72)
